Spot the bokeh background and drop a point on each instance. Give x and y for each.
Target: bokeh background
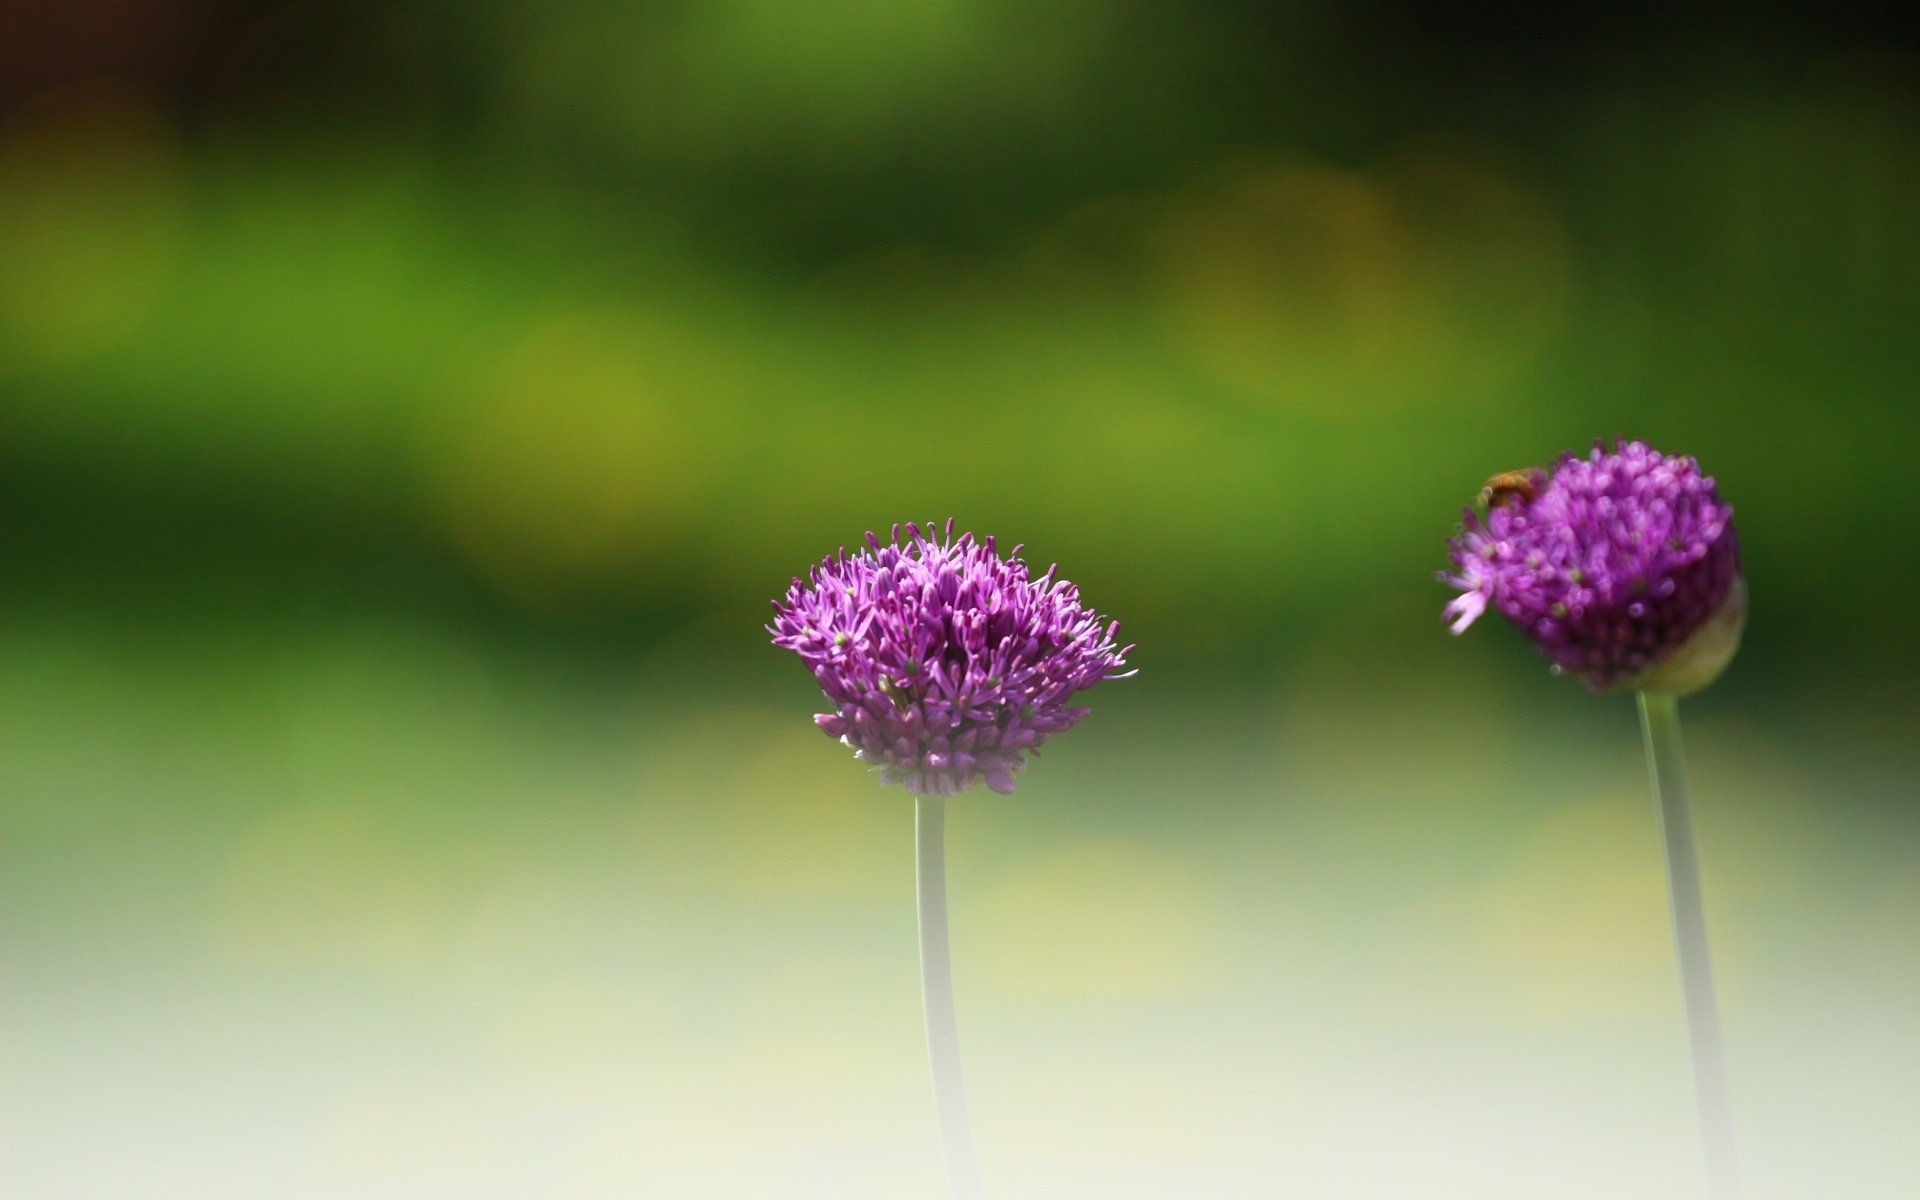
(408, 410)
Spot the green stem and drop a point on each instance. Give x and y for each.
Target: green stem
(1666, 760)
(936, 990)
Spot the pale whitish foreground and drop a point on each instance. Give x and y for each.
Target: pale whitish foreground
(339, 931)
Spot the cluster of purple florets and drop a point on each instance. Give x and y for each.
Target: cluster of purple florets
(1612, 566)
(945, 663)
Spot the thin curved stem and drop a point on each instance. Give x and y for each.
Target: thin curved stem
(936, 990)
(1666, 760)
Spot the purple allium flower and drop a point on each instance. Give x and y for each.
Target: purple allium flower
(946, 664)
(1623, 567)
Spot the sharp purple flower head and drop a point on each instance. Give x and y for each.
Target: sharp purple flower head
(1623, 568)
(945, 663)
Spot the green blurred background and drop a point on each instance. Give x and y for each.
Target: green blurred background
(407, 412)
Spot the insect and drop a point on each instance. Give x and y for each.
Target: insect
(1508, 486)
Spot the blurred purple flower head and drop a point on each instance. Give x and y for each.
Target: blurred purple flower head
(945, 663)
(1623, 567)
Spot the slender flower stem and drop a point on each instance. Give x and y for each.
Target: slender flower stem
(936, 990)
(1666, 760)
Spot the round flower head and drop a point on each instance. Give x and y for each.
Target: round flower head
(945, 663)
(1623, 567)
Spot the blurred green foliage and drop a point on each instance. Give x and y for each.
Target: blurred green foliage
(614, 318)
